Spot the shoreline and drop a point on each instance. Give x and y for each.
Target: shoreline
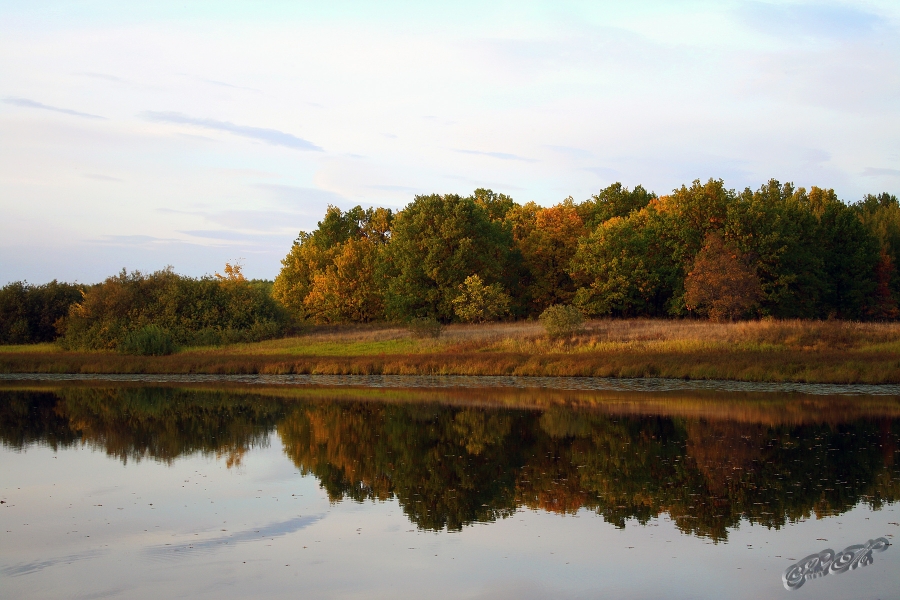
(763, 366)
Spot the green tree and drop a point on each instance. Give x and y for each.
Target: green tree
(30, 313)
(775, 229)
(624, 267)
(615, 200)
(881, 216)
(851, 255)
(436, 242)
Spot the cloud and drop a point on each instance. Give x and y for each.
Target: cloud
(231, 236)
(227, 85)
(500, 155)
(395, 188)
(269, 136)
(813, 20)
(26, 103)
(571, 152)
(603, 172)
(102, 177)
(290, 194)
(131, 240)
(876, 172)
(102, 76)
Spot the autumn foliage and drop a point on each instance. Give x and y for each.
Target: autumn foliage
(721, 285)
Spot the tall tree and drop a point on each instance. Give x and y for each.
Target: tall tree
(436, 243)
(547, 239)
(775, 229)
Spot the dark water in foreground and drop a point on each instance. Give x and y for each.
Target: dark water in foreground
(123, 490)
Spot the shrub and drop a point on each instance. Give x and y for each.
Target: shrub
(425, 327)
(560, 321)
(477, 303)
(191, 310)
(150, 340)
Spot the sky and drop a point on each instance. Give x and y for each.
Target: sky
(141, 135)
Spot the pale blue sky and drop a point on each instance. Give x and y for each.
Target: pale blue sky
(190, 135)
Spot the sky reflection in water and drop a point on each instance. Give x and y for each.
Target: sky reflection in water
(137, 492)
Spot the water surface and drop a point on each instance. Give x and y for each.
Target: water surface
(118, 489)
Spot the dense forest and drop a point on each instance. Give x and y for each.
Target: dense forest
(450, 466)
(704, 251)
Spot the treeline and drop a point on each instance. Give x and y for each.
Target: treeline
(702, 250)
(143, 313)
(31, 313)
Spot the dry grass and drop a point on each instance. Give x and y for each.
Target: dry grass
(802, 351)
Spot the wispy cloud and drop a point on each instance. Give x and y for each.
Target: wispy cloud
(133, 240)
(395, 188)
(500, 155)
(292, 194)
(603, 172)
(99, 177)
(876, 172)
(269, 136)
(570, 152)
(26, 103)
(231, 236)
(102, 76)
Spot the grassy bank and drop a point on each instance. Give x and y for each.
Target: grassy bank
(800, 351)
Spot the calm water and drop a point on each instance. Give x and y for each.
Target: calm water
(124, 490)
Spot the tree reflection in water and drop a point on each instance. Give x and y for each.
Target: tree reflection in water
(452, 465)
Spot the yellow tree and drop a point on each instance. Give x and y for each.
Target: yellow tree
(345, 290)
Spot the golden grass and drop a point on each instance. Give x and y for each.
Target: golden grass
(29, 348)
(768, 350)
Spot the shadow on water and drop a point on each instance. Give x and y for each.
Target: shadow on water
(456, 457)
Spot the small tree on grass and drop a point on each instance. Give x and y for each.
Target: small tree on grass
(477, 303)
(721, 285)
(561, 321)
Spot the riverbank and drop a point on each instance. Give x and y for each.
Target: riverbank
(765, 351)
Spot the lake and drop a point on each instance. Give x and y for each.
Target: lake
(224, 487)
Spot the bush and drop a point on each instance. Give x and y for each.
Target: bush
(477, 303)
(150, 340)
(425, 327)
(191, 311)
(561, 321)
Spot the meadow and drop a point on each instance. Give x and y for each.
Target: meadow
(764, 350)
